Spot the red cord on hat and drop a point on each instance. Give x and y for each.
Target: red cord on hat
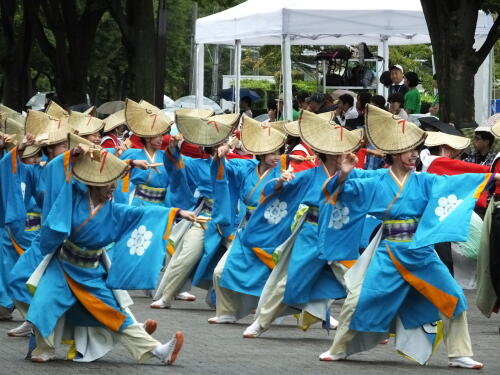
(212, 122)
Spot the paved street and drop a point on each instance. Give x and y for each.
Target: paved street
(221, 350)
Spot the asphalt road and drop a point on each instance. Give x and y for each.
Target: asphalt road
(211, 349)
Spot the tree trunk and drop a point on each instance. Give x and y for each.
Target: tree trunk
(137, 25)
(17, 87)
(70, 55)
(452, 26)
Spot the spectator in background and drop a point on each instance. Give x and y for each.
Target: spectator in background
(396, 102)
(246, 106)
(412, 96)
(398, 82)
(345, 109)
(378, 100)
(483, 143)
(434, 108)
(302, 100)
(362, 100)
(318, 103)
(276, 113)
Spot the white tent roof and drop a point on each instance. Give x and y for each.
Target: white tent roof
(321, 22)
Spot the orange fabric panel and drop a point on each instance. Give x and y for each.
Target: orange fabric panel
(220, 171)
(111, 318)
(14, 160)
(445, 302)
(266, 258)
(481, 187)
(18, 248)
(347, 263)
(170, 223)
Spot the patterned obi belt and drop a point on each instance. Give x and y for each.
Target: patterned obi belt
(33, 221)
(249, 213)
(399, 230)
(312, 215)
(150, 194)
(78, 256)
(208, 205)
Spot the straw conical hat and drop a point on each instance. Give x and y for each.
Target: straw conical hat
(14, 125)
(146, 120)
(390, 133)
(98, 167)
(292, 127)
(84, 124)
(259, 138)
(195, 112)
(47, 130)
(55, 110)
(206, 131)
(114, 120)
(89, 110)
(454, 141)
(6, 110)
(31, 151)
(325, 136)
(495, 129)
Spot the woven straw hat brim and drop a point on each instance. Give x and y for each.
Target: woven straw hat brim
(14, 125)
(292, 128)
(391, 134)
(95, 172)
(51, 129)
(325, 136)
(31, 151)
(146, 120)
(194, 112)
(207, 131)
(260, 139)
(115, 120)
(83, 124)
(6, 110)
(453, 141)
(55, 110)
(495, 129)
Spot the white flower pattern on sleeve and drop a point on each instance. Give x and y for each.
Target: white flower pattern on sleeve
(339, 217)
(139, 240)
(446, 205)
(276, 211)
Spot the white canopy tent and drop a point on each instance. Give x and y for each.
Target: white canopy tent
(325, 22)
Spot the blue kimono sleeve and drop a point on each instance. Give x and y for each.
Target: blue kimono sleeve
(140, 245)
(447, 214)
(270, 224)
(342, 216)
(181, 193)
(15, 178)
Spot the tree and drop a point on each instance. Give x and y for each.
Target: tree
(137, 25)
(15, 59)
(452, 25)
(65, 31)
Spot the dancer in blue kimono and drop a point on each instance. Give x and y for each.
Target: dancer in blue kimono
(403, 279)
(301, 281)
(73, 290)
(195, 255)
(22, 192)
(242, 272)
(17, 236)
(147, 187)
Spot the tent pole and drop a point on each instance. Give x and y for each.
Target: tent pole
(385, 45)
(237, 81)
(215, 72)
(287, 77)
(200, 70)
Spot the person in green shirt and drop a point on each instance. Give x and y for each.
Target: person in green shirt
(412, 96)
(277, 114)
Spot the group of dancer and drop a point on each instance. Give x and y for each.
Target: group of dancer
(262, 228)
